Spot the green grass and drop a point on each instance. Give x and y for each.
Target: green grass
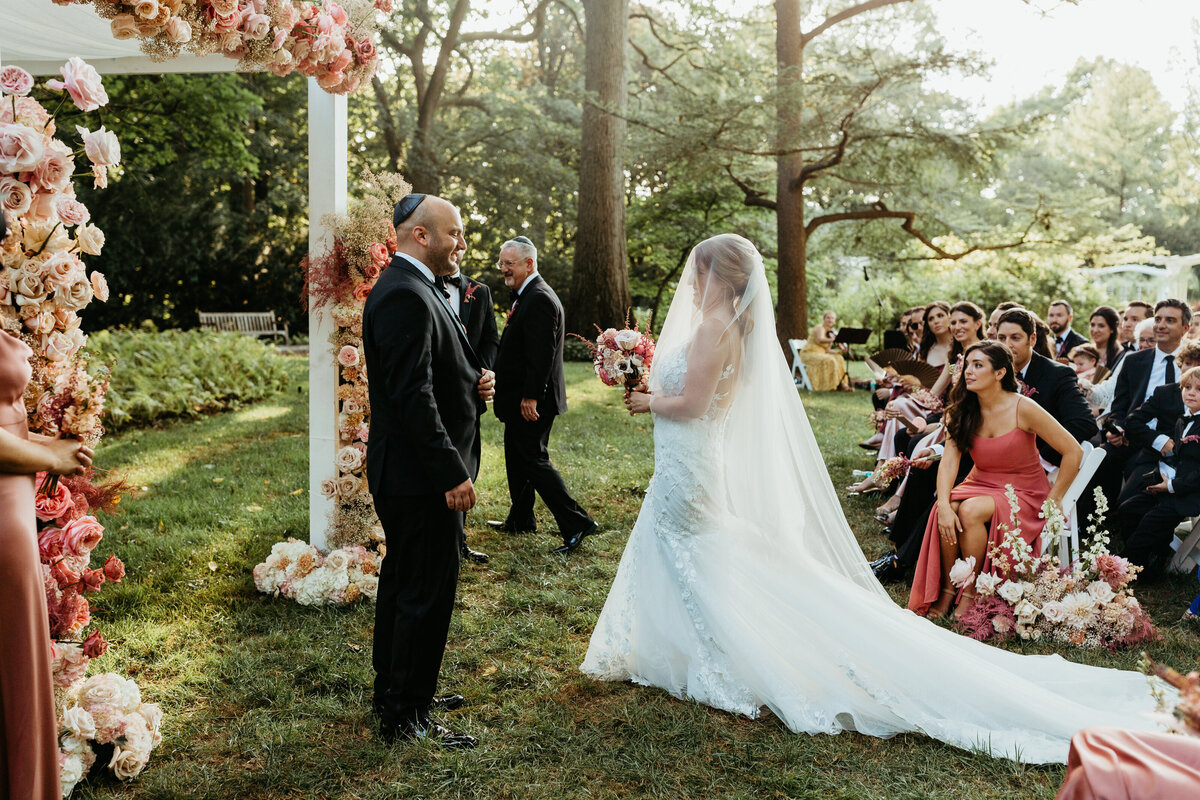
(267, 699)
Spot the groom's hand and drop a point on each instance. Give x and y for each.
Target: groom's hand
(529, 410)
(461, 497)
(487, 386)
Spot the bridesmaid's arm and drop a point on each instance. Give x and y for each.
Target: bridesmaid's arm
(1033, 418)
(949, 525)
(60, 456)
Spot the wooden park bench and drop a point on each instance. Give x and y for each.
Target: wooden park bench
(250, 323)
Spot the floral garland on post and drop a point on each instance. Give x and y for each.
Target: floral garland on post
(43, 286)
(332, 42)
(337, 282)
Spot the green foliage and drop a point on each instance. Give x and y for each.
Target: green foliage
(161, 375)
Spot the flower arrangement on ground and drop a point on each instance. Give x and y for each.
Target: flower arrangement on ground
(303, 573)
(333, 42)
(43, 287)
(1187, 711)
(337, 282)
(623, 357)
(1088, 603)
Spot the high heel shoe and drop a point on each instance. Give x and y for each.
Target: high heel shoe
(932, 613)
(968, 598)
(885, 517)
(852, 491)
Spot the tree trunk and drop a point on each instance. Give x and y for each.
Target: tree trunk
(792, 315)
(600, 278)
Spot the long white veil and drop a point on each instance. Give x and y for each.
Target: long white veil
(771, 468)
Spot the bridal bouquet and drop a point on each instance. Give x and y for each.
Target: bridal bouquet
(623, 357)
(1088, 603)
(890, 470)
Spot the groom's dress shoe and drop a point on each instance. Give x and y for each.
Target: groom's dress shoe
(428, 730)
(448, 702)
(502, 525)
(573, 541)
(474, 556)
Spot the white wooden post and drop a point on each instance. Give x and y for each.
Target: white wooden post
(326, 195)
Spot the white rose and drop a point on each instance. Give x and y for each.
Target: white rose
(1011, 592)
(70, 772)
(1054, 612)
(1101, 592)
(627, 340)
(102, 146)
(90, 239)
(961, 572)
(1026, 612)
(127, 764)
(152, 713)
(15, 197)
(78, 720)
(986, 583)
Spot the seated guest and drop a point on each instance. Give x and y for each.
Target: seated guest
(994, 318)
(1119, 764)
(826, 368)
(1103, 326)
(1085, 358)
(1100, 395)
(1051, 385)
(1144, 334)
(1169, 492)
(1148, 429)
(936, 339)
(1059, 317)
(1135, 311)
(989, 418)
(1194, 329)
(916, 329)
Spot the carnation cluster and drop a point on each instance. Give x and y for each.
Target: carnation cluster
(299, 571)
(332, 42)
(623, 357)
(1088, 603)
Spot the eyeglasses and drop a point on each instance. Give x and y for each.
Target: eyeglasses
(405, 208)
(509, 264)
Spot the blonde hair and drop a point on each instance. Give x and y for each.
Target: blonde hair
(1190, 378)
(729, 257)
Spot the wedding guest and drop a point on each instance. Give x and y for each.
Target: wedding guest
(1144, 335)
(428, 390)
(28, 726)
(472, 302)
(1085, 358)
(1169, 492)
(990, 419)
(823, 358)
(530, 393)
(916, 328)
(1119, 764)
(1103, 327)
(1135, 312)
(994, 317)
(1194, 328)
(1059, 317)
(936, 339)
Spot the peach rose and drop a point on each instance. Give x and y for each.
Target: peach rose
(348, 356)
(145, 9)
(99, 177)
(102, 146)
(91, 240)
(224, 6)
(44, 208)
(62, 269)
(114, 569)
(81, 536)
(21, 148)
(124, 26)
(361, 291)
(379, 254)
(178, 30)
(371, 271)
(52, 506)
(100, 287)
(15, 196)
(71, 211)
(42, 322)
(82, 82)
(15, 81)
(257, 26)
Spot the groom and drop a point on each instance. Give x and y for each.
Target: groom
(427, 392)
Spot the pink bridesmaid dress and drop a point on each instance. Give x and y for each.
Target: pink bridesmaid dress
(28, 729)
(1115, 764)
(1011, 458)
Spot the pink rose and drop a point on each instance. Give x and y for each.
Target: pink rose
(52, 506)
(348, 356)
(44, 207)
(82, 82)
(15, 196)
(338, 14)
(371, 271)
(257, 26)
(114, 569)
(21, 148)
(102, 146)
(228, 23)
(53, 172)
(71, 211)
(329, 80)
(379, 254)
(281, 35)
(361, 291)
(100, 177)
(178, 30)
(50, 542)
(61, 269)
(15, 81)
(363, 431)
(341, 63)
(94, 645)
(92, 579)
(81, 536)
(384, 5)
(124, 26)
(63, 575)
(366, 51)
(100, 287)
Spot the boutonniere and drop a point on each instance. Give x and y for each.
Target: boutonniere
(469, 294)
(1190, 439)
(1025, 389)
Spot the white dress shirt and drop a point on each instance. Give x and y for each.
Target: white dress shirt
(1167, 470)
(452, 302)
(1158, 377)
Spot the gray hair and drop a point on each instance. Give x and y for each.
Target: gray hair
(524, 248)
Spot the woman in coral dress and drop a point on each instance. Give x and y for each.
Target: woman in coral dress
(990, 419)
(28, 730)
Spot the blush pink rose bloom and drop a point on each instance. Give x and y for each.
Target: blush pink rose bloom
(338, 14)
(124, 26)
(114, 569)
(52, 506)
(379, 254)
(21, 148)
(15, 196)
(348, 356)
(44, 207)
(42, 322)
(90, 239)
(258, 26)
(81, 536)
(281, 35)
(102, 146)
(100, 177)
(384, 5)
(366, 51)
(53, 172)
(178, 30)
(15, 81)
(100, 287)
(82, 82)
(71, 211)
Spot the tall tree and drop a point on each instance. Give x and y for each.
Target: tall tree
(600, 280)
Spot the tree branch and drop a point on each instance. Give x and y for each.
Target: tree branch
(754, 197)
(513, 34)
(842, 16)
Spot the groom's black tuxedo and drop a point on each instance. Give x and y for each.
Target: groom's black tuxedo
(424, 441)
(530, 366)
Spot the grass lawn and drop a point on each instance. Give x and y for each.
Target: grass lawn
(268, 699)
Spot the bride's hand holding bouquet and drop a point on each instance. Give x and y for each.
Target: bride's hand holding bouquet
(638, 402)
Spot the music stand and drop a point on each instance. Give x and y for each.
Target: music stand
(852, 336)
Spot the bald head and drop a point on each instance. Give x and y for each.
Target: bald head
(433, 235)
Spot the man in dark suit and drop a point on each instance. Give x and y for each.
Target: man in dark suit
(427, 392)
(472, 301)
(1051, 385)
(1169, 491)
(1059, 316)
(530, 393)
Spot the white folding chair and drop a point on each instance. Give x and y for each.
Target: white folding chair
(1069, 542)
(798, 363)
(1187, 547)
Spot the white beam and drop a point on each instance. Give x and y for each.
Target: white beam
(326, 195)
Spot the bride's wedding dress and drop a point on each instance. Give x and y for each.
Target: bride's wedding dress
(742, 586)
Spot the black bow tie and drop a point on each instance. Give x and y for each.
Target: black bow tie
(455, 280)
(513, 297)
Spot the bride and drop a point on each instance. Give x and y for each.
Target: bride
(743, 587)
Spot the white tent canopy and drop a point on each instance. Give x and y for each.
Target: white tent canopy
(40, 36)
